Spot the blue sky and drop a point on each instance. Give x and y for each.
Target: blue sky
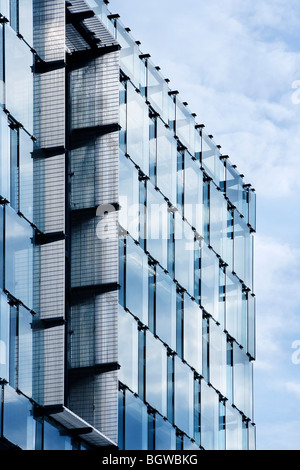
(235, 62)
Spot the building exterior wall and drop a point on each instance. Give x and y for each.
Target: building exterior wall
(127, 314)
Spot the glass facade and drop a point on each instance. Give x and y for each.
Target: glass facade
(194, 291)
(186, 317)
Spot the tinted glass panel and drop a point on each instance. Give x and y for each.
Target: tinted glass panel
(137, 129)
(25, 351)
(128, 350)
(166, 161)
(209, 417)
(156, 374)
(157, 226)
(136, 423)
(165, 308)
(18, 257)
(4, 338)
(26, 175)
(19, 80)
(4, 157)
(184, 397)
(217, 357)
(165, 434)
(192, 333)
(193, 194)
(129, 196)
(54, 440)
(184, 254)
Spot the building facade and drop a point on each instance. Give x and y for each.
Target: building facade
(127, 314)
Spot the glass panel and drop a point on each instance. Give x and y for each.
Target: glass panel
(205, 348)
(18, 257)
(165, 434)
(222, 426)
(26, 175)
(14, 170)
(4, 337)
(192, 333)
(137, 129)
(210, 281)
(252, 437)
(19, 80)
(184, 397)
(184, 254)
(4, 157)
(210, 159)
(236, 313)
(156, 374)
(128, 350)
(165, 308)
(14, 14)
(122, 117)
(235, 189)
(157, 226)
(234, 431)
(229, 371)
(4, 8)
(157, 92)
(185, 126)
(136, 280)
(180, 182)
(242, 381)
(1, 247)
(243, 251)
(251, 326)
(18, 422)
(136, 423)
(25, 351)
(252, 208)
(193, 194)
(129, 196)
(217, 357)
(218, 221)
(54, 440)
(1, 67)
(188, 444)
(26, 20)
(170, 388)
(13, 333)
(166, 161)
(130, 62)
(209, 417)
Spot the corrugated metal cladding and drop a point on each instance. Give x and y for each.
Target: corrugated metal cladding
(49, 197)
(93, 164)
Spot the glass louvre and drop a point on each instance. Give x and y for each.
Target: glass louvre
(137, 129)
(222, 426)
(210, 281)
(137, 272)
(130, 62)
(243, 251)
(192, 334)
(18, 409)
(19, 80)
(180, 182)
(18, 257)
(4, 337)
(165, 318)
(157, 92)
(166, 162)
(14, 170)
(184, 254)
(251, 325)
(4, 157)
(123, 117)
(234, 429)
(251, 437)
(129, 196)
(25, 351)
(252, 208)
(209, 417)
(156, 374)
(26, 175)
(235, 190)
(26, 20)
(242, 381)
(210, 160)
(128, 350)
(217, 357)
(183, 397)
(185, 126)
(165, 434)
(236, 313)
(157, 226)
(1, 248)
(193, 194)
(136, 423)
(218, 221)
